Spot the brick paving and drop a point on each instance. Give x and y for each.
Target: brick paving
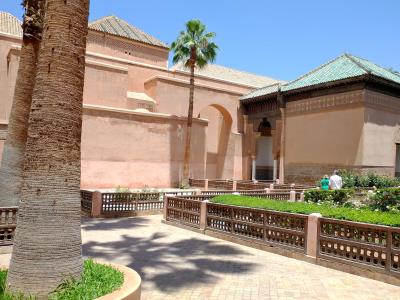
(179, 264)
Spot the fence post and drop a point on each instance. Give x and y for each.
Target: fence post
(206, 184)
(312, 234)
(203, 214)
(165, 207)
(97, 203)
(302, 196)
(292, 196)
(234, 185)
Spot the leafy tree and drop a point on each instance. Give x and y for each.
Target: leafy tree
(194, 48)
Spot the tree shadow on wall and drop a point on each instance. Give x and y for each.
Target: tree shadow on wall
(170, 265)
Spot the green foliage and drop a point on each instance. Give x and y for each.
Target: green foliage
(386, 200)
(194, 46)
(97, 280)
(122, 190)
(352, 179)
(334, 196)
(341, 213)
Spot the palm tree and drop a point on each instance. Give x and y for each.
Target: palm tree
(47, 245)
(194, 49)
(14, 148)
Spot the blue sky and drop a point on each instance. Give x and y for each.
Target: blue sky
(282, 39)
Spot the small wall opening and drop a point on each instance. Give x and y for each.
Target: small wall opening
(397, 165)
(264, 157)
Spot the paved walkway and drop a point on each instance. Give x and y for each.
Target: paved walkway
(178, 264)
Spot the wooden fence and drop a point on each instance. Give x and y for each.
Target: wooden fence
(229, 184)
(270, 227)
(328, 241)
(184, 211)
(361, 244)
(8, 223)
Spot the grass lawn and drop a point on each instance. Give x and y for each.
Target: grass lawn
(97, 280)
(341, 213)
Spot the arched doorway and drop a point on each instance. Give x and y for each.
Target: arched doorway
(217, 141)
(264, 152)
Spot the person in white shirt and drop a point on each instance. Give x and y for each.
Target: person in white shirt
(335, 182)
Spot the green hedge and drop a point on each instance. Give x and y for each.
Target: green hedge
(335, 196)
(340, 213)
(352, 179)
(386, 200)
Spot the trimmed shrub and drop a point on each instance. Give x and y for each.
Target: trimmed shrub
(386, 200)
(335, 196)
(352, 179)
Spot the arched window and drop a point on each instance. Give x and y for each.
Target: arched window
(265, 127)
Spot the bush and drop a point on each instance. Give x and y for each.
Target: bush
(335, 196)
(352, 179)
(386, 200)
(340, 213)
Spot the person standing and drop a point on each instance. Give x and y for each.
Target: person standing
(325, 183)
(335, 182)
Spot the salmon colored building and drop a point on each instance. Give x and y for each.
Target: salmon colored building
(135, 108)
(344, 114)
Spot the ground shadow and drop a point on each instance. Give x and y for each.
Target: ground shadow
(169, 265)
(89, 224)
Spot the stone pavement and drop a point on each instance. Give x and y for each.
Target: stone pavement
(179, 264)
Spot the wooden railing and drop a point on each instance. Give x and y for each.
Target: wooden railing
(129, 202)
(229, 184)
(8, 223)
(86, 201)
(270, 227)
(184, 211)
(327, 241)
(361, 244)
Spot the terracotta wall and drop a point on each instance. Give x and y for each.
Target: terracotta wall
(320, 140)
(126, 49)
(382, 123)
(134, 149)
(9, 59)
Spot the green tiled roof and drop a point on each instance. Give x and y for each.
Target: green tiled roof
(229, 74)
(266, 90)
(343, 67)
(116, 26)
(10, 24)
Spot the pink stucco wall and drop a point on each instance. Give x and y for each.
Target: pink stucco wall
(134, 149)
(137, 149)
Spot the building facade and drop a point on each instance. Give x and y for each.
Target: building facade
(344, 114)
(135, 108)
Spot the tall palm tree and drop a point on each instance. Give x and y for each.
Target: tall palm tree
(193, 48)
(14, 148)
(47, 246)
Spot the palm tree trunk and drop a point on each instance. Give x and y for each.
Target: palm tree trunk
(14, 148)
(186, 161)
(47, 245)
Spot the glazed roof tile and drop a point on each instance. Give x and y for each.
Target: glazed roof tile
(115, 26)
(232, 75)
(10, 24)
(343, 67)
